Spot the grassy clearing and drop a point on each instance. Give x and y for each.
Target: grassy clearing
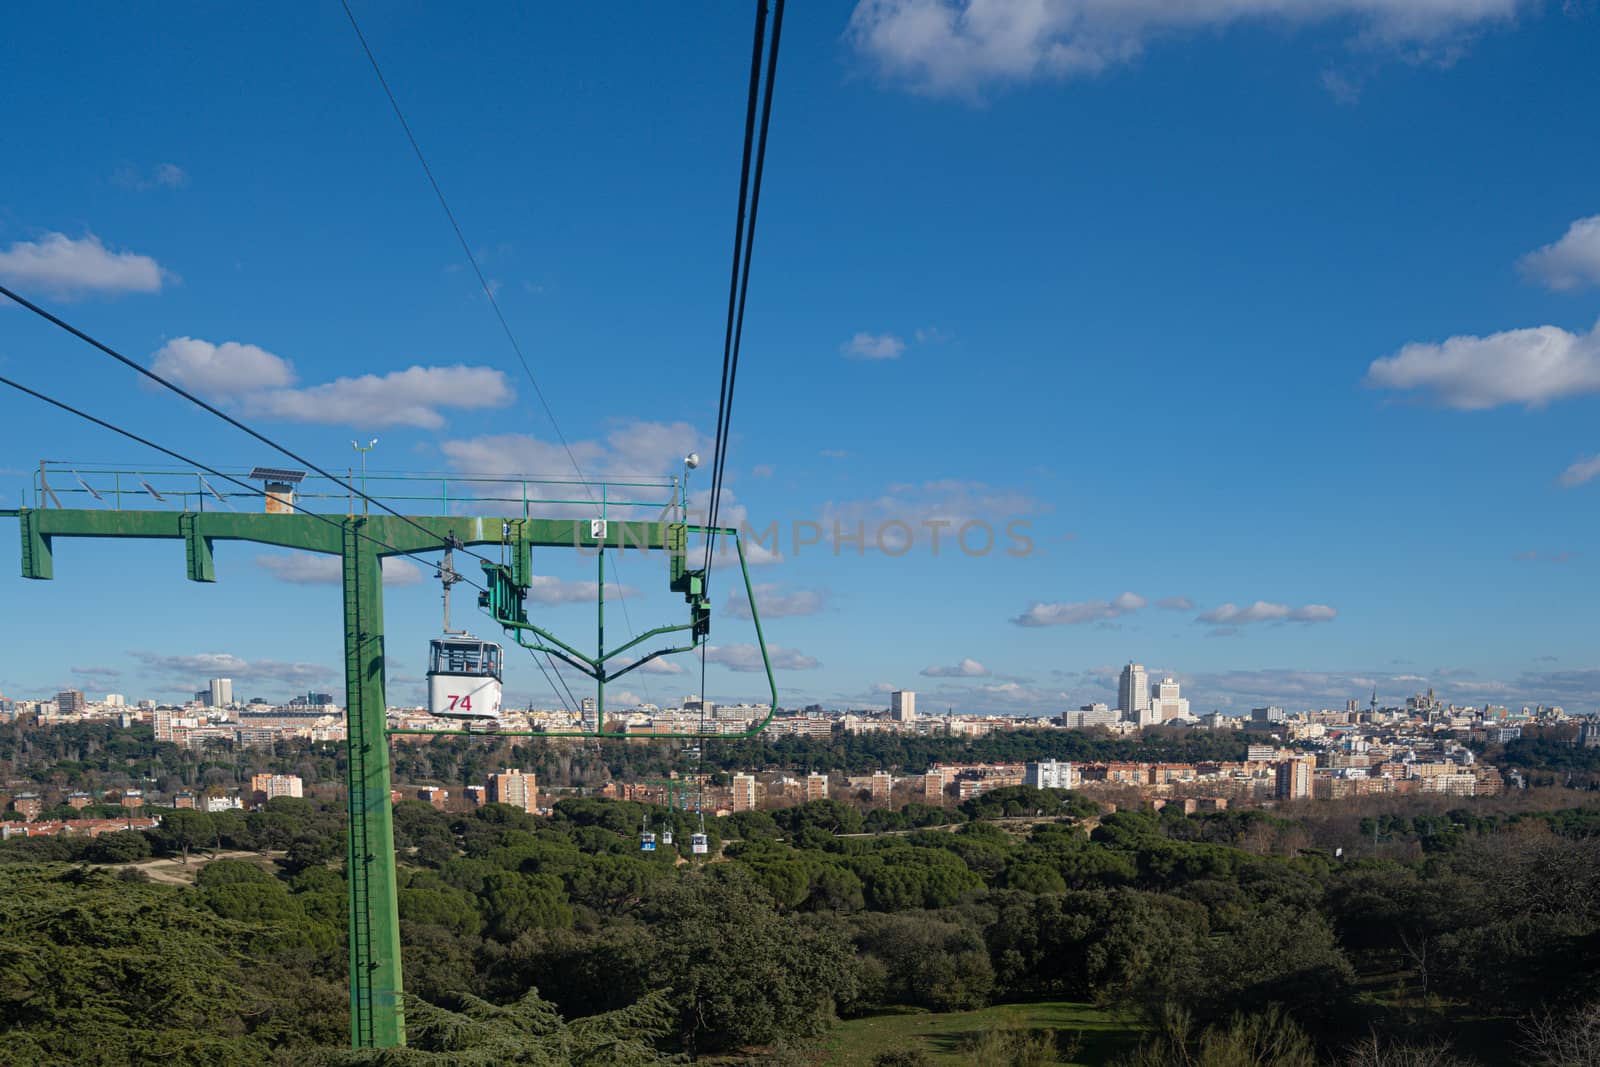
(944, 1036)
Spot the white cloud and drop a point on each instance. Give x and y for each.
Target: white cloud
(955, 47)
(998, 696)
(747, 658)
(774, 603)
(1582, 470)
(662, 666)
(1570, 262)
(262, 384)
(224, 371)
(1175, 603)
(1298, 689)
(1232, 615)
(1532, 555)
(188, 671)
(410, 397)
(732, 514)
(1079, 612)
(935, 512)
(64, 267)
(161, 176)
(633, 448)
(310, 568)
(1528, 366)
(967, 668)
(873, 346)
(544, 589)
(762, 470)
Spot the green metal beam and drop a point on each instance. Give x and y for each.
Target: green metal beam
(316, 533)
(377, 1012)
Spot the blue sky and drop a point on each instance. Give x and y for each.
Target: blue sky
(1284, 321)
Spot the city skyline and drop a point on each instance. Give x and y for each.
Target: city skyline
(1343, 466)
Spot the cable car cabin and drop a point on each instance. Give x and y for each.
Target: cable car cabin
(464, 679)
(666, 837)
(647, 841)
(699, 844)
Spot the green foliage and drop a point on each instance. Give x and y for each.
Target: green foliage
(124, 846)
(1268, 1039)
(738, 971)
(830, 816)
(811, 911)
(925, 961)
(98, 970)
(527, 1032)
(230, 872)
(902, 1058)
(1008, 1047)
(1022, 800)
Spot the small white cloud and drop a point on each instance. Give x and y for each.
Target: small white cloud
(309, 568)
(762, 470)
(747, 658)
(1582, 470)
(1175, 603)
(1530, 367)
(967, 668)
(66, 268)
(633, 448)
(1571, 262)
(1547, 557)
(834, 453)
(545, 589)
(223, 371)
(1231, 616)
(662, 666)
(184, 670)
(873, 346)
(1079, 612)
(775, 603)
(761, 545)
(410, 397)
(161, 176)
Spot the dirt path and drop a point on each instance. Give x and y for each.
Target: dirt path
(175, 872)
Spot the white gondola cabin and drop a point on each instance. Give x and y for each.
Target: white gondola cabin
(464, 678)
(699, 844)
(647, 839)
(666, 837)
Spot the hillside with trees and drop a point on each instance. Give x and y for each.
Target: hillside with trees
(555, 940)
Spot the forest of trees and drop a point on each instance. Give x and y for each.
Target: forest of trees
(556, 936)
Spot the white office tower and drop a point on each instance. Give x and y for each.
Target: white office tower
(1165, 701)
(221, 692)
(1133, 695)
(591, 714)
(903, 705)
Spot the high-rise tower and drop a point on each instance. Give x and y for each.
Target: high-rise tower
(1133, 695)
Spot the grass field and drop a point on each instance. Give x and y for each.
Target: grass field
(944, 1036)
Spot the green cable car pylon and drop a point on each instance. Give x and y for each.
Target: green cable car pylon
(377, 1017)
